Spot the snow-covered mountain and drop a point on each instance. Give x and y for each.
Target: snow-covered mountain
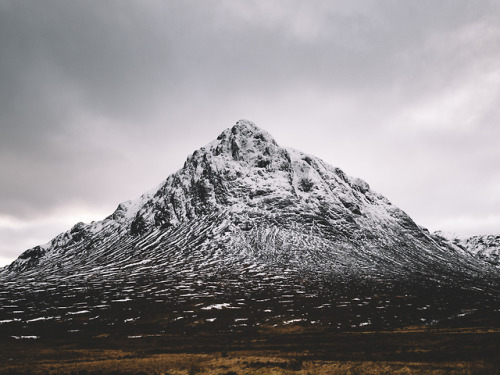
(485, 247)
(243, 217)
(244, 197)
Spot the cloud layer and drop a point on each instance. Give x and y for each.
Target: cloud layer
(100, 101)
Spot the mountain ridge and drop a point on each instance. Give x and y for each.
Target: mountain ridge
(485, 247)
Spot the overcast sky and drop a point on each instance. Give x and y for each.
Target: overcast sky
(102, 100)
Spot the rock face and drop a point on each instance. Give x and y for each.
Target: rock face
(245, 216)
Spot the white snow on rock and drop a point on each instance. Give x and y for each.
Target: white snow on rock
(216, 306)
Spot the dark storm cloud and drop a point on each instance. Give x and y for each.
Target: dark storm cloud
(63, 64)
(100, 100)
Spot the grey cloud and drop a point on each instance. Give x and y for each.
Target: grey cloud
(101, 100)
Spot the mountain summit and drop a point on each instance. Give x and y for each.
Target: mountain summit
(244, 222)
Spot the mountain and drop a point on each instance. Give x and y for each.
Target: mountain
(245, 197)
(485, 247)
(246, 233)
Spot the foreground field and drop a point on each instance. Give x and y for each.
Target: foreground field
(294, 351)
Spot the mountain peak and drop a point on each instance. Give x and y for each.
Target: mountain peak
(247, 129)
(244, 140)
(244, 123)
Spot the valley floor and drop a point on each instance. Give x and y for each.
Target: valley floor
(291, 350)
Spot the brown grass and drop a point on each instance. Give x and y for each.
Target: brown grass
(412, 351)
(234, 363)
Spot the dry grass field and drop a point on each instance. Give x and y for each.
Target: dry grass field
(408, 351)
